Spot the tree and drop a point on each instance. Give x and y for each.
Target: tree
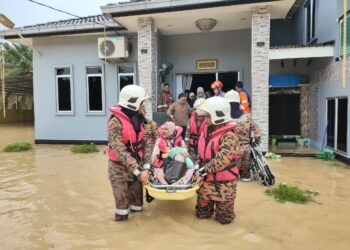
(18, 60)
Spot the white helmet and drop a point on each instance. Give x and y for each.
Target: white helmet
(232, 96)
(196, 104)
(218, 108)
(131, 97)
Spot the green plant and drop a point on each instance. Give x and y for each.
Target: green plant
(284, 193)
(84, 149)
(18, 147)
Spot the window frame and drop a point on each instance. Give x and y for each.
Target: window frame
(63, 112)
(88, 111)
(341, 21)
(335, 132)
(312, 25)
(134, 82)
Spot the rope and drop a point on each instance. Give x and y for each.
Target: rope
(344, 45)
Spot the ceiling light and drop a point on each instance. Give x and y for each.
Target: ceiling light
(206, 24)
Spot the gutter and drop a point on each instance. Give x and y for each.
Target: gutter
(151, 8)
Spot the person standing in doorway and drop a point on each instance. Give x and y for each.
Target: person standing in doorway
(179, 112)
(200, 93)
(217, 86)
(165, 98)
(191, 99)
(244, 96)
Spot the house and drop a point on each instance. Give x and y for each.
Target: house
(287, 52)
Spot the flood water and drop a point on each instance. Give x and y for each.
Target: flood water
(50, 198)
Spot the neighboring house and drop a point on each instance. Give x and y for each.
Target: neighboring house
(18, 100)
(294, 46)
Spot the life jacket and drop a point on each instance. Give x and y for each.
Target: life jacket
(164, 145)
(248, 96)
(132, 140)
(194, 131)
(208, 148)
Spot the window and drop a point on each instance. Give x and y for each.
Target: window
(337, 123)
(64, 90)
(309, 9)
(341, 41)
(126, 75)
(95, 89)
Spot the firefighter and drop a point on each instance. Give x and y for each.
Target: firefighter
(245, 129)
(219, 156)
(129, 150)
(217, 86)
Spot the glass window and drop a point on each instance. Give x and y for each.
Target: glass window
(342, 36)
(309, 9)
(330, 122)
(126, 69)
(125, 80)
(94, 70)
(63, 71)
(64, 94)
(64, 90)
(94, 89)
(342, 124)
(126, 76)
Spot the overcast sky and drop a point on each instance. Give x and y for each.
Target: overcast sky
(23, 12)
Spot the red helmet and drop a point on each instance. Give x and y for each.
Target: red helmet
(217, 84)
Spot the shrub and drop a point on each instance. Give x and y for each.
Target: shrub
(284, 193)
(18, 147)
(84, 149)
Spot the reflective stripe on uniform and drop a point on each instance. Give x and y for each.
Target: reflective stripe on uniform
(122, 211)
(244, 101)
(136, 208)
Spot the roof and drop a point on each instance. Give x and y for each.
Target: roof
(302, 51)
(88, 24)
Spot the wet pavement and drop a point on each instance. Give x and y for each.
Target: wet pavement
(50, 198)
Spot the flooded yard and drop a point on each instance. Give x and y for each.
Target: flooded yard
(50, 198)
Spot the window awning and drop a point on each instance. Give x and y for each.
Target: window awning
(284, 81)
(307, 51)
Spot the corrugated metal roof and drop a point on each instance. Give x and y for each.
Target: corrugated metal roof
(87, 24)
(74, 21)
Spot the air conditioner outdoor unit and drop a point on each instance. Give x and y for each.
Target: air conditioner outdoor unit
(113, 47)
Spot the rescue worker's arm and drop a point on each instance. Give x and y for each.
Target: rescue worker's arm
(116, 143)
(244, 101)
(151, 136)
(228, 154)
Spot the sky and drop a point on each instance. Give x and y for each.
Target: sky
(23, 12)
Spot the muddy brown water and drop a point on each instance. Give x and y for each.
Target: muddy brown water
(50, 198)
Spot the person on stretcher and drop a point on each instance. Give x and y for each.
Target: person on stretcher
(170, 158)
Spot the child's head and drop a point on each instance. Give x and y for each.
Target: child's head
(168, 130)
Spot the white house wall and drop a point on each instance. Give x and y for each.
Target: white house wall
(232, 49)
(326, 83)
(77, 52)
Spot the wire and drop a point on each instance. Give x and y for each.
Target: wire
(66, 12)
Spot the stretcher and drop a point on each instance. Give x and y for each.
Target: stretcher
(170, 192)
